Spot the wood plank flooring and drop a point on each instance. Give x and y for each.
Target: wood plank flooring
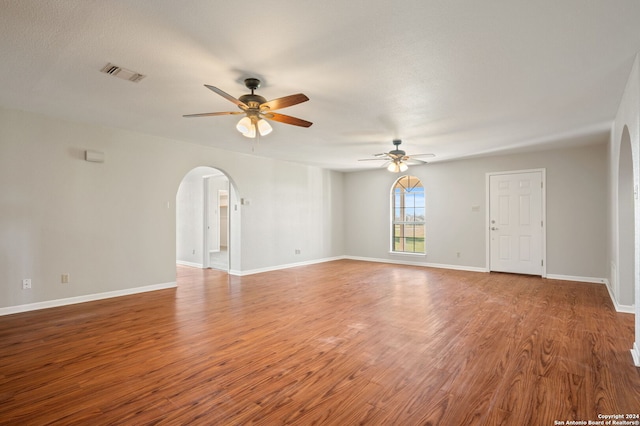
(338, 343)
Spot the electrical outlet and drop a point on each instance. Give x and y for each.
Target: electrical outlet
(26, 283)
(297, 251)
(458, 254)
(64, 278)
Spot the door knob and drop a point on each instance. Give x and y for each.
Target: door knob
(493, 228)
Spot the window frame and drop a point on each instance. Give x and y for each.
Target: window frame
(418, 223)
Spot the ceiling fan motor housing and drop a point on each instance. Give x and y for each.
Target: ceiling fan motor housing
(252, 101)
(397, 152)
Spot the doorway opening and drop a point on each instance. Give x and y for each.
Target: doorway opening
(205, 224)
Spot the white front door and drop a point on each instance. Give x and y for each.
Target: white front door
(516, 223)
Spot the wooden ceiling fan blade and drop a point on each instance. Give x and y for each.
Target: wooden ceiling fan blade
(211, 114)
(285, 102)
(227, 96)
(287, 119)
(415, 161)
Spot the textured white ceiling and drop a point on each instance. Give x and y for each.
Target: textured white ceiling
(453, 78)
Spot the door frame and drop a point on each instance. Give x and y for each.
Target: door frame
(207, 244)
(206, 222)
(222, 193)
(543, 216)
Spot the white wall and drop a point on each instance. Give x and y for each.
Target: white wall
(189, 220)
(576, 213)
(627, 120)
(112, 225)
(289, 208)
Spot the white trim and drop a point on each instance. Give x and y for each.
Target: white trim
(624, 309)
(407, 253)
(86, 298)
(635, 353)
(426, 265)
(192, 264)
(206, 223)
(627, 309)
(593, 280)
(543, 172)
(456, 267)
(285, 266)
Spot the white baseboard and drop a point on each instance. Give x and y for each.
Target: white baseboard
(86, 298)
(456, 267)
(635, 353)
(627, 309)
(285, 266)
(424, 264)
(192, 264)
(593, 280)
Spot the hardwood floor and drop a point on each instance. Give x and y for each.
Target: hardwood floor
(337, 343)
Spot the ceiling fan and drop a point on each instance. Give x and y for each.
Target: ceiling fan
(256, 109)
(397, 159)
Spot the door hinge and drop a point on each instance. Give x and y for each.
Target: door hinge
(542, 223)
(541, 185)
(542, 262)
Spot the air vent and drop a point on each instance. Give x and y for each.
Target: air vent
(122, 73)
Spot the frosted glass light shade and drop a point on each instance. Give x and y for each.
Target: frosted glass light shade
(251, 133)
(264, 127)
(244, 125)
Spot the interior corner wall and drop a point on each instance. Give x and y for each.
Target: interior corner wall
(627, 119)
(456, 205)
(290, 214)
(112, 226)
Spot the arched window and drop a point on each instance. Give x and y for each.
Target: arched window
(407, 211)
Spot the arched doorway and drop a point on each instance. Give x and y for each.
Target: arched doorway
(206, 227)
(625, 285)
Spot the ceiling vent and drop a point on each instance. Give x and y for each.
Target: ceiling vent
(122, 73)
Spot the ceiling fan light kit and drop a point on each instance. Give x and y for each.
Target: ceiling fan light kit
(397, 167)
(247, 127)
(258, 110)
(397, 158)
